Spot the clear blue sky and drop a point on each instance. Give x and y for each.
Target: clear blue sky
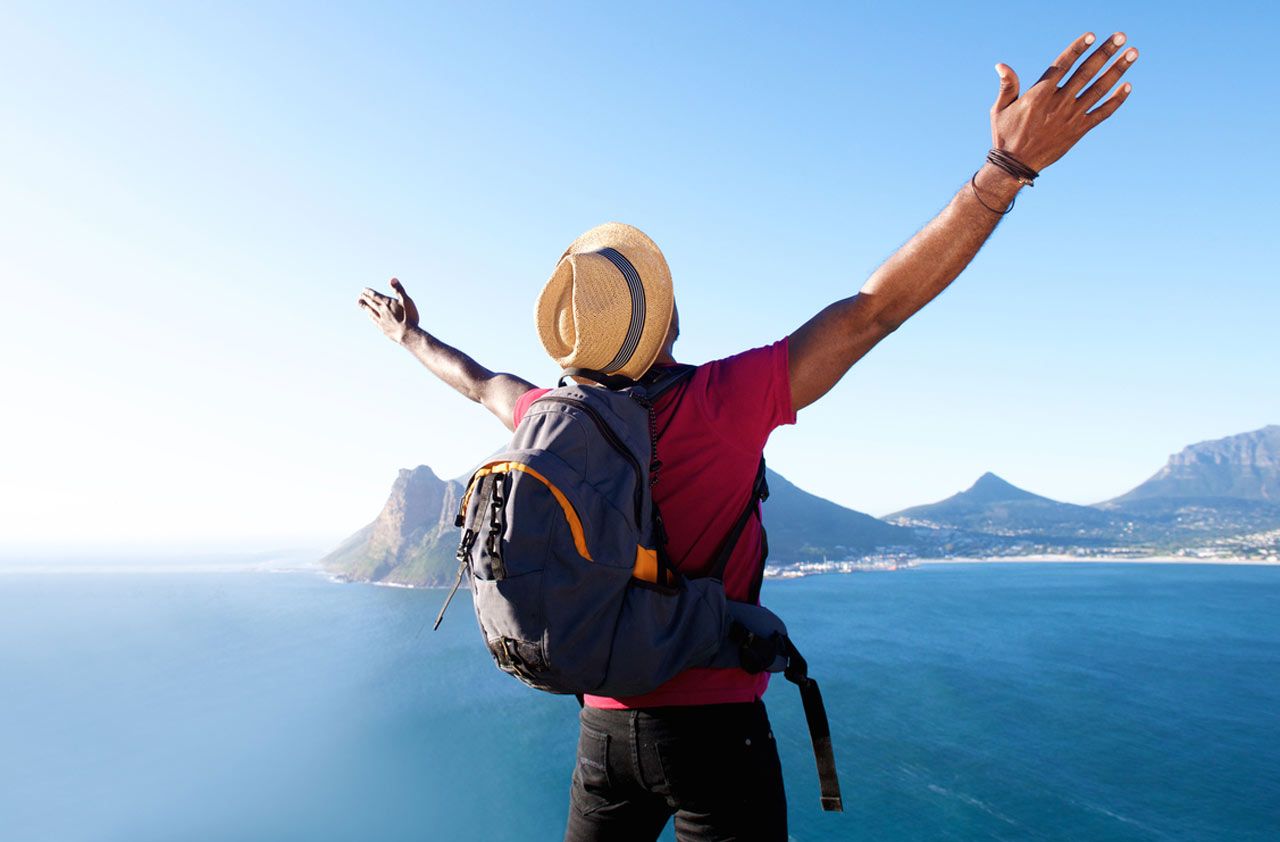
(193, 195)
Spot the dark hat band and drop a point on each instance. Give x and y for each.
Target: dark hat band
(636, 327)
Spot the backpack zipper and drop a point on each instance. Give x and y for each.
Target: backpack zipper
(611, 437)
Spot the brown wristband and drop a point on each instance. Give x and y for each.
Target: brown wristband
(1002, 159)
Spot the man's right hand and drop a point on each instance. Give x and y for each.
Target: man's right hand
(395, 318)
(1040, 126)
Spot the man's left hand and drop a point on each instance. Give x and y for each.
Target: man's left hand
(1039, 126)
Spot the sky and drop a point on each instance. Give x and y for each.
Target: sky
(193, 196)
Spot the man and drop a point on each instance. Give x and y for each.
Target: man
(699, 748)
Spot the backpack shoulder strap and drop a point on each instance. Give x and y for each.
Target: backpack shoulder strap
(759, 493)
(657, 383)
(613, 382)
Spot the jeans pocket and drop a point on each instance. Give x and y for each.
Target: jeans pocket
(732, 762)
(694, 769)
(592, 788)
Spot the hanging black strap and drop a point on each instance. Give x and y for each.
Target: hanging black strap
(465, 546)
(464, 557)
(759, 491)
(462, 568)
(815, 714)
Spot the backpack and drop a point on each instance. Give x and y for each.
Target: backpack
(566, 554)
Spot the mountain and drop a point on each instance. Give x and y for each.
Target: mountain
(412, 541)
(1243, 467)
(994, 507)
(1213, 498)
(1224, 492)
(804, 527)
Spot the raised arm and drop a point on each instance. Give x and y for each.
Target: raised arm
(397, 318)
(1037, 129)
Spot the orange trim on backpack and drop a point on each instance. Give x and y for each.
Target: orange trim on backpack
(575, 523)
(646, 569)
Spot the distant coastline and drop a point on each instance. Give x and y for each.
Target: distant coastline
(1214, 502)
(883, 564)
(1075, 559)
(781, 571)
(58, 568)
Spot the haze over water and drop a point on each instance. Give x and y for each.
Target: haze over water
(1047, 701)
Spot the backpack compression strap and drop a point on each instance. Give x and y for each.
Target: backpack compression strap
(759, 653)
(815, 714)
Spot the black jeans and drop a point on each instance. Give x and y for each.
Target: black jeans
(714, 767)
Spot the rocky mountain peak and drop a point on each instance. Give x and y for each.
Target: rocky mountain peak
(1244, 466)
(992, 489)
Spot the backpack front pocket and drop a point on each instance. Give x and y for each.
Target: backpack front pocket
(514, 517)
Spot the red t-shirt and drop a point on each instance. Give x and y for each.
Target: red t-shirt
(712, 429)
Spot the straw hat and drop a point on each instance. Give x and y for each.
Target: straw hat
(608, 305)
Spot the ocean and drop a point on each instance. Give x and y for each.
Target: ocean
(967, 702)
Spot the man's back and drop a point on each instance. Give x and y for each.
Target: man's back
(712, 429)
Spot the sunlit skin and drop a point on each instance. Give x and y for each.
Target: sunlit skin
(1037, 127)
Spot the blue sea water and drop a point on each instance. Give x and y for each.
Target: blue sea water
(1028, 701)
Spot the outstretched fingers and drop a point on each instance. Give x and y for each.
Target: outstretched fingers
(373, 301)
(1093, 64)
(1108, 80)
(1109, 107)
(1068, 57)
(369, 310)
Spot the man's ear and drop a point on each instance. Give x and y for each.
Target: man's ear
(673, 333)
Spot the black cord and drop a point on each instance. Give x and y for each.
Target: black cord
(973, 182)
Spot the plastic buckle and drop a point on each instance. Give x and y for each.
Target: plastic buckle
(464, 548)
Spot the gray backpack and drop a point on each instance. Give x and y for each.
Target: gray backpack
(572, 584)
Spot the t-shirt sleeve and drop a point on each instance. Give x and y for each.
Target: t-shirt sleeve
(747, 396)
(523, 402)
